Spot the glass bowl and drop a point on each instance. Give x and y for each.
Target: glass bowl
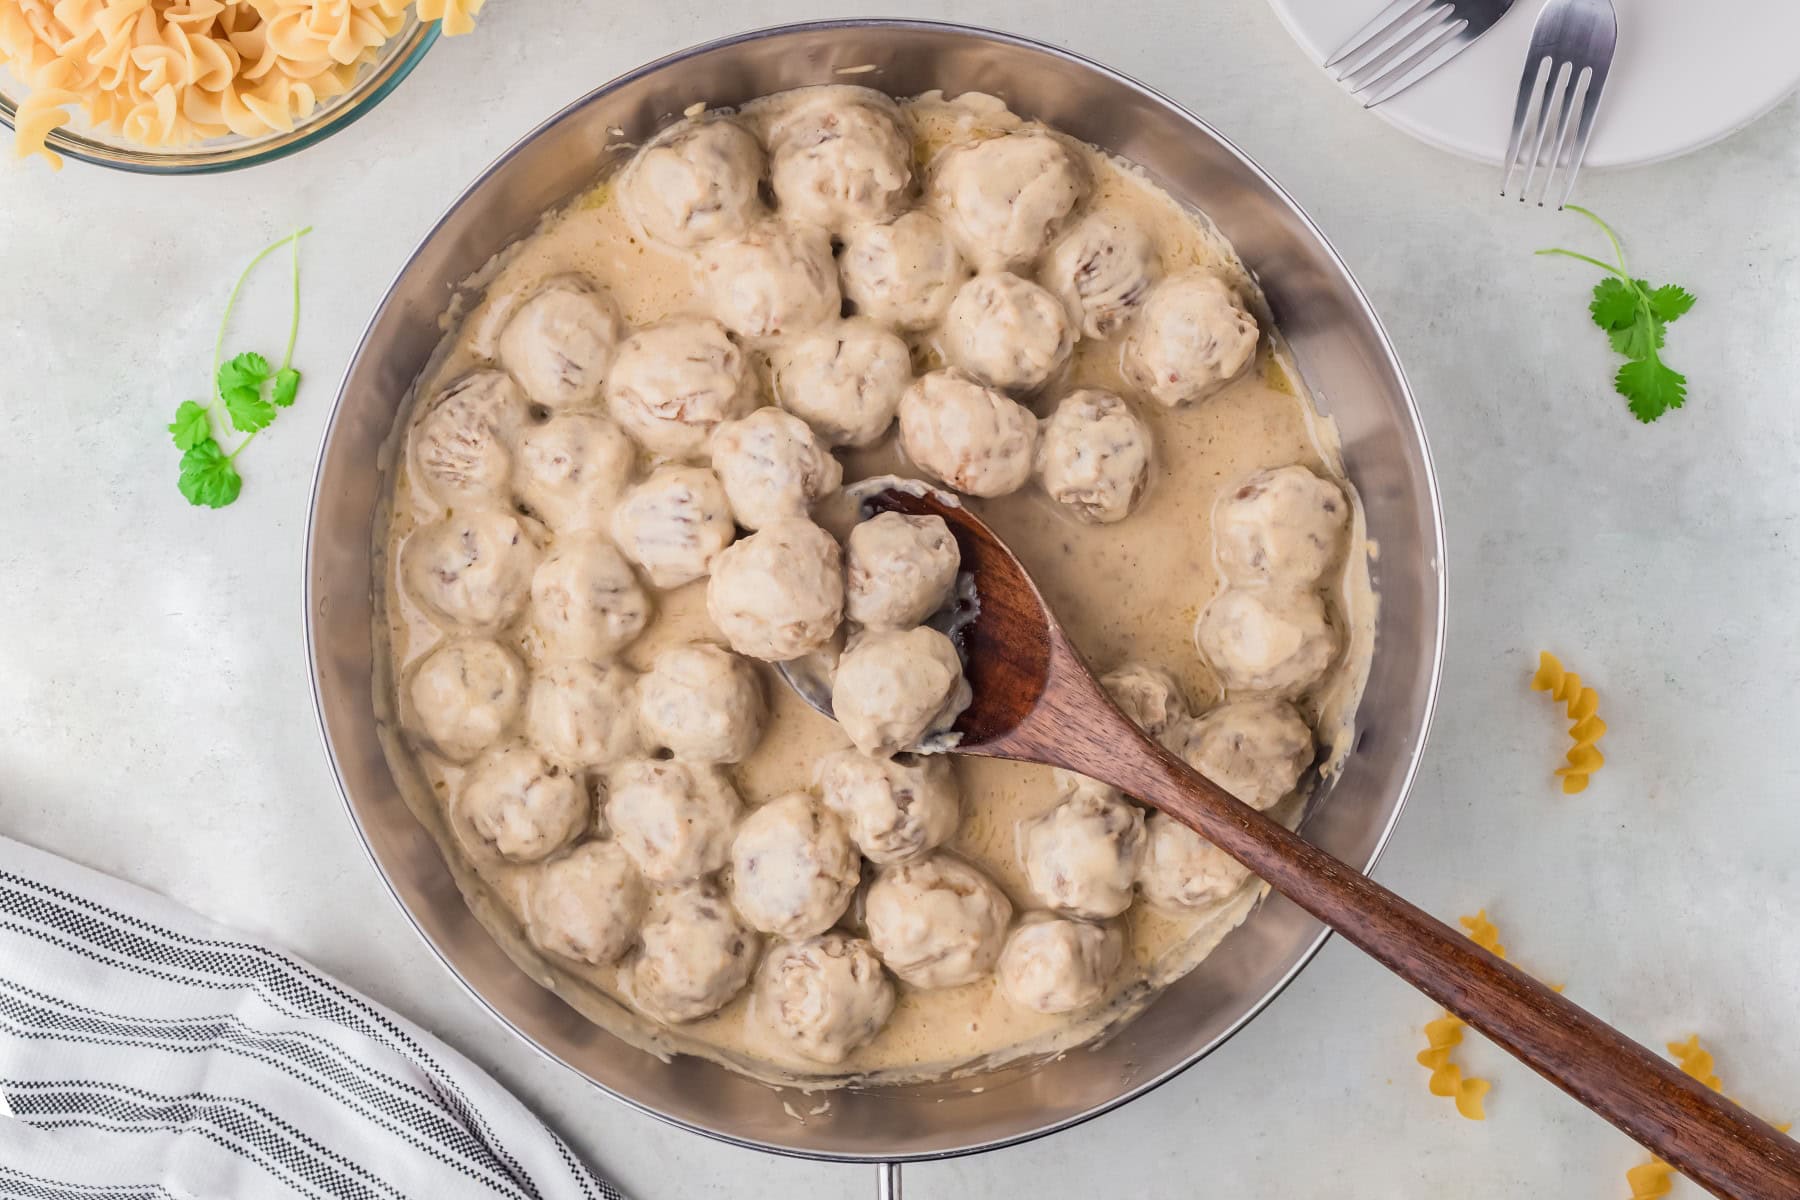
(106, 149)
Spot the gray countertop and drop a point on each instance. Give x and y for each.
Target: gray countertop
(158, 724)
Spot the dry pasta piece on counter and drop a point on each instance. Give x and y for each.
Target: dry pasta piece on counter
(1581, 703)
(1442, 1037)
(1695, 1061)
(1651, 1180)
(1483, 933)
(162, 74)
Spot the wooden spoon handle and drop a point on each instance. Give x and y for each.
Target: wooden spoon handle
(1714, 1142)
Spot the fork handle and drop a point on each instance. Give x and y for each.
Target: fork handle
(1714, 1142)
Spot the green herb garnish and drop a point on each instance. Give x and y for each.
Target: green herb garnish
(1635, 317)
(246, 394)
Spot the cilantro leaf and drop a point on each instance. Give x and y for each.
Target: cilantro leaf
(249, 370)
(1670, 301)
(248, 410)
(249, 390)
(190, 426)
(287, 384)
(1650, 387)
(1635, 317)
(1615, 304)
(208, 477)
(1641, 339)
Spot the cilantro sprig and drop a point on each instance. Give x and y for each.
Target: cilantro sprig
(246, 394)
(1636, 318)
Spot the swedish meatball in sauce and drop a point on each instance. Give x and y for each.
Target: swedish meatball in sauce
(622, 495)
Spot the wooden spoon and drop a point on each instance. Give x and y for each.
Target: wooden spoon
(1037, 701)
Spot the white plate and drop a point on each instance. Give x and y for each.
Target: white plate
(1687, 73)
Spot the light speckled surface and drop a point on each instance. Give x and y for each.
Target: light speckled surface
(158, 724)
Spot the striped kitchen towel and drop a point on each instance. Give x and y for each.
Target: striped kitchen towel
(147, 1053)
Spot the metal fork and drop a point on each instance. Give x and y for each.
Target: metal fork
(1572, 47)
(1408, 40)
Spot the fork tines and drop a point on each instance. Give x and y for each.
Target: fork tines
(1559, 95)
(1403, 43)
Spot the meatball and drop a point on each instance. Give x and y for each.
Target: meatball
(1054, 965)
(586, 905)
(903, 274)
(793, 868)
(696, 954)
(844, 380)
(1275, 640)
(674, 820)
(1191, 338)
(825, 996)
(702, 703)
(471, 570)
(1181, 869)
(676, 381)
(969, 436)
(1283, 525)
(936, 923)
(1149, 696)
(1007, 332)
(1082, 856)
(464, 696)
(779, 593)
(560, 342)
(777, 279)
(1070, 784)
(1094, 456)
(838, 162)
(570, 470)
(896, 809)
(696, 182)
(772, 467)
(1254, 749)
(899, 570)
(585, 601)
(894, 688)
(1101, 270)
(462, 446)
(674, 524)
(515, 804)
(1003, 199)
(582, 713)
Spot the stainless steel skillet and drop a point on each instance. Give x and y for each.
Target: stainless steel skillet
(1341, 349)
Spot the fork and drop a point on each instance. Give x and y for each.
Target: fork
(1572, 48)
(1408, 40)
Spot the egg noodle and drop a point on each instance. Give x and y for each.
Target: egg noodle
(175, 72)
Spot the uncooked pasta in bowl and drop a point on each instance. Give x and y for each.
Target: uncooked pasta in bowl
(185, 86)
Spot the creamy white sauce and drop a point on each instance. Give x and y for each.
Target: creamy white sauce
(1125, 592)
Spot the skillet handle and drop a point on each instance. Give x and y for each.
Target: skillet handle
(887, 1181)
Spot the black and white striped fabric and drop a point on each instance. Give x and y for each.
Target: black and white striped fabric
(147, 1054)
